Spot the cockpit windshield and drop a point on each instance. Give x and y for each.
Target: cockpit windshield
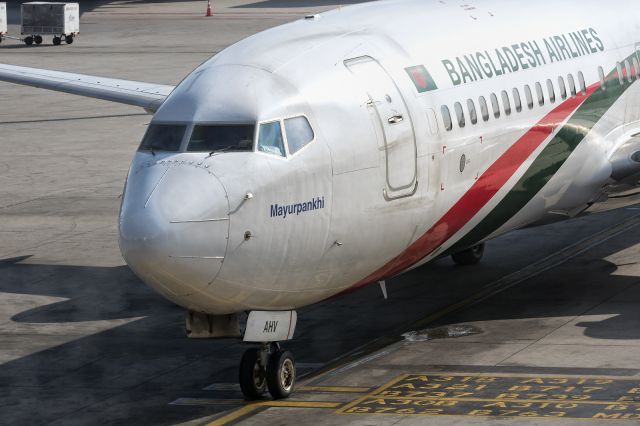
(163, 137)
(221, 138)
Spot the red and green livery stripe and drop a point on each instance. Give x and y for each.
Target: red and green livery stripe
(552, 157)
(587, 111)
(421, 78)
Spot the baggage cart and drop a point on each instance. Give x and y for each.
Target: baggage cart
(3, 21)
(61, 20)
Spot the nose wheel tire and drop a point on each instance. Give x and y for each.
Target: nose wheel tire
(68, 39)
(28, 40)
(57, 41)
(281, 374)
(38, 39)
(253, 381)
(269, 368)
(471, 256)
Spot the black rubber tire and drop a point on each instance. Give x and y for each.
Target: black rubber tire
(37, 39)
(253, 382)
(28, 40)
(281, 374)
(68, 39)
(57, 41)
(468, 257)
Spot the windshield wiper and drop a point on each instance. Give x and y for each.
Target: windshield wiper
(219, 151)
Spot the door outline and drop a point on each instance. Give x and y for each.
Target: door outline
(389, 192)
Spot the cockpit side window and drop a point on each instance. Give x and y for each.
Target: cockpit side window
(299, 133)
(163, 137)
(270, 138)
(221, 138)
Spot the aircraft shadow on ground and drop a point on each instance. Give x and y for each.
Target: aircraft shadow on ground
(129, 373)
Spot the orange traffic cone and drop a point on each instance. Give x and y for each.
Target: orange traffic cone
(209, 11)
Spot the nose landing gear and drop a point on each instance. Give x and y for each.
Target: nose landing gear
(268, 368)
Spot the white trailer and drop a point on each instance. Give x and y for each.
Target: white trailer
(62, 20)
(3, 20)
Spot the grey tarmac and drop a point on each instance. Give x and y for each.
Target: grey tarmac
(83, 341)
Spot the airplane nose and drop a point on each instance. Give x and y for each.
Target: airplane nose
(174, 227)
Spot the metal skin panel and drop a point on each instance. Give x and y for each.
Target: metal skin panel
(392, 117)
(519, 169)
(272, 326)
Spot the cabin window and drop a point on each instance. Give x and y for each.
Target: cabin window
(517, 101)
(506, 103)
(446, 117)
(582, 83)
(459, 114)
(473, 115)
(562, 87)
(484, 108)
(299, 133)
(636, 67)
(627, 64)
(572, 84)
(529, 96)
(221, 137)
(620, 73)
(540, 94)
(552, 92)
(270, 138)
(163, 137)
(603, 81)
(495, 105)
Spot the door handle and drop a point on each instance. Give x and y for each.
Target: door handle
(395, 119)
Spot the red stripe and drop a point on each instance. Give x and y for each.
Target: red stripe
(480, 193)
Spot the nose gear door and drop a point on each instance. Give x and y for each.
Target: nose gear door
(393, 118)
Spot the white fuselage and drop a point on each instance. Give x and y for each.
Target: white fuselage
(384, 186)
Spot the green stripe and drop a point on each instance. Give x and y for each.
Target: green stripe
(552, 157)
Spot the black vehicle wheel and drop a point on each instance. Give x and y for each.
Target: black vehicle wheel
(57, 41)
(38, 39)
(28, 41)
(253, 382)
(281, 374)
(471, 256)
(68, 39)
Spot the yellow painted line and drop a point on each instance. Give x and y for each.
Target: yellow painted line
(549, 262)
(527, 376)
(300, 404)
(234, 415)
(208, 401)
(335, 389)
(541, 401)
(384, 387)
(252, 406)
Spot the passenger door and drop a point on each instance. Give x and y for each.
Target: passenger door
(392, 114)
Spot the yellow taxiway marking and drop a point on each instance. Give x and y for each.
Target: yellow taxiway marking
(251, 406)
(505, 400)
(555, 259)
(335, 389)
(234, 415)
